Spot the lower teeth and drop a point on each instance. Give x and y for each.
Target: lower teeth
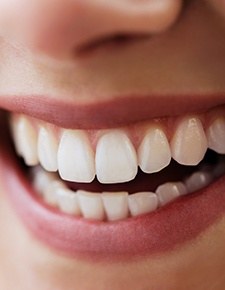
(119, 205)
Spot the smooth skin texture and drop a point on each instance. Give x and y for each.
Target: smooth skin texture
(184, 53)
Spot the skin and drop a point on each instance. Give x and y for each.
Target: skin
(190, 42)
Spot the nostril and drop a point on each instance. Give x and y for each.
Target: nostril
(111, 41)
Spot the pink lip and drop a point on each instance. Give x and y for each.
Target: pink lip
(169, 227)
(116, 112)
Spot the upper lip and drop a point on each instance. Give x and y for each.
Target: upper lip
(115, 112)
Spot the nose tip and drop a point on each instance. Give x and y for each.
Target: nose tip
(60, 27)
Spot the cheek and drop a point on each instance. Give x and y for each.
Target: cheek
(24, 21)
(39, 25)
(14, 21)
(218, 5)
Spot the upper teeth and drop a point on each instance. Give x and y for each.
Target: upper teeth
(75, 157)
(216, 136)
(116, 158)
(189, 143)
(47, 150)
(154, 152)
(117, 154)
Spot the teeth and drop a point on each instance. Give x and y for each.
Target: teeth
(197, 181)
(50, 192)
(116, 205)
(41, 179)
(142, 202)
(170, 191)
(26, 141)
(15, 134)
(216, 136)
(154, 152)
(67, 201)
(47, 150)
(116, 159)
(75, 157)
(91, 205)
(189, 144)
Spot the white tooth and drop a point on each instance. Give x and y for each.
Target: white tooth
(27, 141)
(41, 179)
(50, 192)
(116, 205)
(189, 143)
(116, 159)
(142, 202)
(197, 181)
(216, 136)
(47, 150)
(68, 201)
(76, 157)
(154, 152)
(170, 191)
(15, 134)
(91, 205)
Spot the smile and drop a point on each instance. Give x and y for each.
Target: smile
(96, 186)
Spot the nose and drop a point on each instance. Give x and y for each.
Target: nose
(60, 27)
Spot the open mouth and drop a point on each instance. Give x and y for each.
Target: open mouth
(94, 174)
(104, 184)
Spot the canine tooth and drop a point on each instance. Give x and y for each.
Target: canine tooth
(75, 157)
(189, 143)
(154, 152)
(142, 202)
(47, 150)
(116, 205)
(27, 141)
(91, 205)
(116, 159)
(41, 179)
(170, 191)
(50, 193)
(216, 136)
(15, 134)
(67, 201)
(197, 181)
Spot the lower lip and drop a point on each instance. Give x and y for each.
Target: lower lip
(158, 232)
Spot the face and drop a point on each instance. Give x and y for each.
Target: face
(112, 143)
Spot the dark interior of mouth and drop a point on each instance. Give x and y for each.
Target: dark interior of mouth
(149, 182)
